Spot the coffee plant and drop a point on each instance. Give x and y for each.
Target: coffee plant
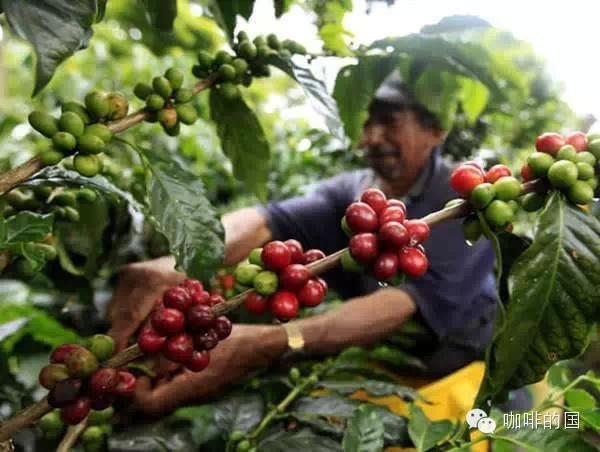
(548, 299)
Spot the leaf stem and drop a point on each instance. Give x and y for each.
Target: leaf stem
(71, 436)
(21, 173)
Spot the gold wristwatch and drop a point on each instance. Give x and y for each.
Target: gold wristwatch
(295, 339)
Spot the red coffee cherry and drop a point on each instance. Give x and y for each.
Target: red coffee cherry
(60, 353)
(412, 262)
(101, 402)
(206, 341)
(65, 392)
(418, 230)
(126, 384)
(216, 299)
(396, 203)
(275, 255)
(199, 318)
(149, 341)
(200, 297)
(465, 178)
(178, 348)
(311, 256)
(549, 143)
(375, 199)
(104, 381)
(394, 233)
(311, 294)
(360, 217)
(385, 266)
(526, 173)
(392, 213)
(496, 172)
(322, 282)
(578, 140)
(199, 361)
(364, 247)
(296, 250)
(255, 303)
(177, 298)
(293, 277)
(74, 413)
(223, 327)
(284, 305)
(168, 321)
(192, 285)
(475, 165)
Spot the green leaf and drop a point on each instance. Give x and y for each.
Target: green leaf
(395, 357)
(591, 418)
(202, 420)
(456, 23)
(439, 92)
(238, 411)
(55, 28)
(425, 434)
(59, 176)
(226, 12)
(316, 91)
(560, 375)
(243, 140)
(474, 97)
(542, 440)
(24, 227)
(511, 247)
(355, 87)
(158, 437)
(554, 299)
(184, 215)
(161, 13)
(36, 324)
(373, 387)
(282, 7)
(579, 399)
(298, 441)
(364, 432)
(311, 409)
(332, 35)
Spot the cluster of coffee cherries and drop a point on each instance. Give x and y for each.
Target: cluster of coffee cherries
(382, 241)
(183, 327)
(80, 130)
(168, 101)
(93, 438)
(224, 283)
(250, 59)
(493, 192)
(567, 163)
(279, 280)
(79, 383)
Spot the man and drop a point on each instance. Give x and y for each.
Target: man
(455, 299)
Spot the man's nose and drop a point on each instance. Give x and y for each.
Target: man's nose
(372, 136)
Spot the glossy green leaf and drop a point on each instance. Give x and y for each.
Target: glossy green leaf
(542, 440)
(560, 375)
(424, 433)
(316, 91)
(55, 28)
(373, 387)
(333, 36)
(364, 432)
(238, 411)
(151, 437)
(200, 420)
(554, 299)
(311, 409)
(474, 97)
(511, 247)
(354, 88)
(282, 7)
(161, 14)
(226, 12)
(243, 140)
(579, 399)
(24, 227)
(590, 418)
(439, 92)
(298, 441)
(184, 215)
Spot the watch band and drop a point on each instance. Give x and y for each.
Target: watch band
(295, 340)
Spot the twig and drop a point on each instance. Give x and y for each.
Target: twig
(71, 436)
(24, 171)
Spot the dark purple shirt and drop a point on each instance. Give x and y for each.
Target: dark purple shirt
(456, 297)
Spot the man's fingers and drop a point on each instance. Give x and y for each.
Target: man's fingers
(162, 398)
(120, 336)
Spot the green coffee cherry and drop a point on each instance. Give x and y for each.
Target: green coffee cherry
(119, 106)
(65, 198)
(175, 78)
(349, 264)
(142, 90)
(263, 52)
(78, 108)
(266, 283)
(222, 57)
(168, 117)
(154, 102)
(205, 60)
(562, 174)
(245, 273)
(243, 446)
(227, 73)
(44, 123)
(260, 41)
(580, 193)
(471, 228)
(16, 198)
(585, 171)
(594, 147)
(42, 191)
(345, 227)
(52, 157)
(64, 142)
(247, 51)
(295, 374)
(586, 157)
(173, 131)
(540, 163)
(72, 214)
(567, 152)
(507, 188)
(532, 202)
(97, 105)
(273, 41)
(255, 257)
(99, 130)
(71, 123)
(102, 346)
(87, 165)
(162, 86)
(229, 91)
(498, 214)
(285, 53)
(240, 65)
(236, 436)
(186, 113)
(87, 194)
(482, 195)
(90, 144)
(242, 36)
(183, 95)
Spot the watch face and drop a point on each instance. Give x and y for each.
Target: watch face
(296, 342)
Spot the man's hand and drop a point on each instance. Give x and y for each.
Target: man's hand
(138, 287)
(248, 347)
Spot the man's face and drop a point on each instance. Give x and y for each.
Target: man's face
(396, 145)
